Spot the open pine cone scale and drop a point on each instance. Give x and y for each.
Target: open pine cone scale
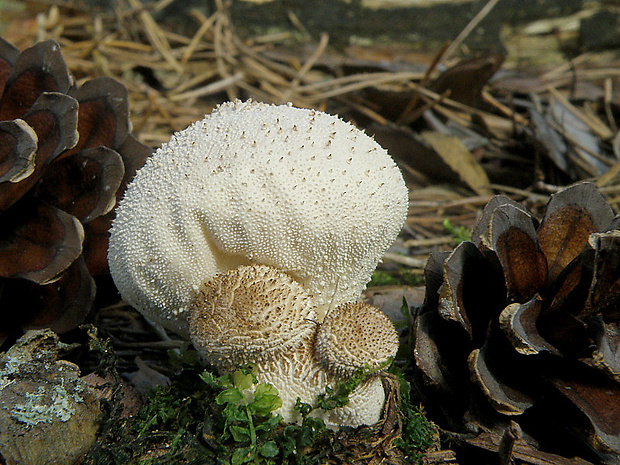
(66, 157)
(521, 324)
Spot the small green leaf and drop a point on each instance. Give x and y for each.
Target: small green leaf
(287, 441)
(303, 407)
(235, 412)
(266, 389)
(239, 433)
(229, 396)
(266, 399)
(404, 309)
(243, 380)
(210, 379)
(459, 233)
(268, 425)
(225, 380)
(243, 455)
(176, 440)
(310, 430)
(269, 449)
(184, 356)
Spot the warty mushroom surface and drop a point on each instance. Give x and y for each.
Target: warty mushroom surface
(296, 189)
(259, 316)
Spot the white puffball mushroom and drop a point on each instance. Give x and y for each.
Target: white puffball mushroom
(257, 315)
(252, 183)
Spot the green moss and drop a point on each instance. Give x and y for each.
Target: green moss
(202, 418)
(399, 277)
(418, 434)
(459, 233)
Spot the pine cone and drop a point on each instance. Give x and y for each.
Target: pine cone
(522, 324)
(66, 156)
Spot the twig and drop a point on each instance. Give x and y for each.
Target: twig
(169, 344)
(373, 81)
(507, 443)
(193, 82)
(430, 103)
(609, 176)
(206, 24)
(156, 37)
(222, 46)
(602, 131)
(292, 17)
(433, 241)
(515, 191)
(468, 29)
(607, 96)
(407, 116)
(565, 67)
(209, 89)
(404, 260)
(306, 67)
(487, 97)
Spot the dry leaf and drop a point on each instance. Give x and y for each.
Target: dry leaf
(455, 154)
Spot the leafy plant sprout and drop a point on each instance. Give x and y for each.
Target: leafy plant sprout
(459, 233)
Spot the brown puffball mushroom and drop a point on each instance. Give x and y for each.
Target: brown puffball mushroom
(261, 316)
(356, 335)
(250, 314)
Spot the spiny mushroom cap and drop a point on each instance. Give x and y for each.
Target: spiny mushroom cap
(354, 336)
(296, 189)
(249, 314)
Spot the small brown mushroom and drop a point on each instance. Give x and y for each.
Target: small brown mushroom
(356, 335)
(250, 314)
